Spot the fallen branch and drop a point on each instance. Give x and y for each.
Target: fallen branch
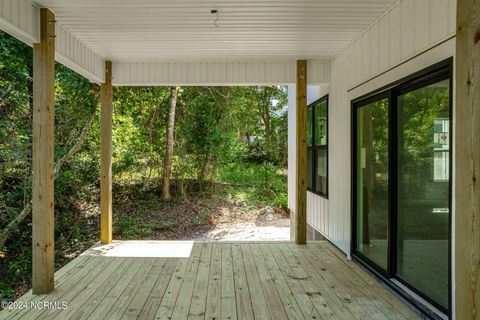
(13, 225)
(76, 148)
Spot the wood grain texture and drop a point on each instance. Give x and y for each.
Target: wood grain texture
(106, 157)
(43, 156)
(467, 157)
(235, 280)
(301, 154)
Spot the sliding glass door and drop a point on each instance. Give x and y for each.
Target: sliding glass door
(402, 185)
(372, 181)
(424, 189)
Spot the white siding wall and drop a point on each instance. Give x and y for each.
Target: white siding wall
(78, 57)
(21, 19)
(401, 35)
(215, 73)
(314, 203)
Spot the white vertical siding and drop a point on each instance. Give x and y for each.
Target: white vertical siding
(408, 29)
(21, 19)
(314, 92)
(78, 57)
(216, 73)
(318, 72)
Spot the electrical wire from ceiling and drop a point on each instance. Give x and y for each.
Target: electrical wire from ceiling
(217, 18)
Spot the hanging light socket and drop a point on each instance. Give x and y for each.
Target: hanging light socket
(215, 12)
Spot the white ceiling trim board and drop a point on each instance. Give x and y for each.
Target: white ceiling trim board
(21, 19)
(216, 73)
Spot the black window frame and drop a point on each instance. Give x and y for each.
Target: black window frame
(313, 172)
(437, 72)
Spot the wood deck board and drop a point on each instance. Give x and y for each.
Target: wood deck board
(377, 287)
(353, 296)
(242, 294)
(182, 306)
(136, 304)
(92, 297)
(228, 302)
(71, 288)
(153, 301)
(119, 307)
(304, 295)
(82, 289)
(329, 271)
(220, 280)
(257, 297)
(360, 291)
(274, 303)
(199, 297)
(213, 308)
(337, 297)
(61, 276)
(171, 294)
(109, 299)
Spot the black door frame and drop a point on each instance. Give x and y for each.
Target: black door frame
(437, 72)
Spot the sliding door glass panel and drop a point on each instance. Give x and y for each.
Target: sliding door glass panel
(372, 182)
(423, 189)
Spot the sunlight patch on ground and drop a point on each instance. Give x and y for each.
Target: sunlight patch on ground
(249, 231)
(147, 249)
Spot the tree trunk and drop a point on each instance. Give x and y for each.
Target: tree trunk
(167, 165)
(265, 111)
(202, 173)
(13, 225)
(181, 187)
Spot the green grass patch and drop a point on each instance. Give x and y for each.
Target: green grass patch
(255, 183)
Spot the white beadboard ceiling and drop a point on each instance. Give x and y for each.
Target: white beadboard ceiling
(183, 30)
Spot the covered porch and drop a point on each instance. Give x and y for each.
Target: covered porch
(348, 49)
(213, 280)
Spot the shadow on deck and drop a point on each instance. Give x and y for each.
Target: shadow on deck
(212, 280)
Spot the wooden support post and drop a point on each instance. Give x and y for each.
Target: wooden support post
(43, 241)
(467, 162)
(301, 154)
(106, 157)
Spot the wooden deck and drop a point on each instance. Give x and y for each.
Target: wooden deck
(213, 280)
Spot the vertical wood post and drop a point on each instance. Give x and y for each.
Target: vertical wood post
(467, 162)
(301, 154)
(43, 252)
(106, 157)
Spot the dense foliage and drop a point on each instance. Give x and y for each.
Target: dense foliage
(229, 143)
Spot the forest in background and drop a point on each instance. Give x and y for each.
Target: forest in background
(181, 157)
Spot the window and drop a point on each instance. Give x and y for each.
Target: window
(317, 147)
(402, 181)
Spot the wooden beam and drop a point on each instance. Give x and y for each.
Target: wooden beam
(301, 154)
(43, 252)
(467, 161)
(106, 157)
